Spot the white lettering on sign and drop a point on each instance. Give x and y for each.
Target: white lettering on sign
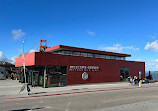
(84, 68)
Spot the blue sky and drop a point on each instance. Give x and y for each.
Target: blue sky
(126, 26)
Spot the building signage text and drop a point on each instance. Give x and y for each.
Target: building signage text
(84, 68)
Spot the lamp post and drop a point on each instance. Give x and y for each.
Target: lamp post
(24, 62)
(25, 84)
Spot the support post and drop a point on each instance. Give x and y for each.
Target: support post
(44, 77)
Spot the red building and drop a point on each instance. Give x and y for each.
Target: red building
(64, 65)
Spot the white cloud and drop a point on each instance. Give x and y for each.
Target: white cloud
(156, 60)
(139, 60)
(151, 65)
(91, 33)
(4, 58)
(32, 50)
(118, 48)
(152, 46)
(12, 59)
(17, 34)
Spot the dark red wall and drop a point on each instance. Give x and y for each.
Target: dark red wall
(109, 70)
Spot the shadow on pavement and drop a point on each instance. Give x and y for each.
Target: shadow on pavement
(80, 89)
(27, 109)
(36, 93)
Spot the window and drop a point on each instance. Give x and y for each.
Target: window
(102, 56)
(55, 52)
(107, 57)
(76, 53)
(118, 58)
(96, 55)
(89, 55)
(123, 58)
(112, 57)
(83, 54)
(67, 53)
(61, 52)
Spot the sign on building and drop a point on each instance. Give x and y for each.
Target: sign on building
(84, 68)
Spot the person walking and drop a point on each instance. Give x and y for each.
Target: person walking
(131, 80)
(136, 80)
(33, 83)
(12, 76)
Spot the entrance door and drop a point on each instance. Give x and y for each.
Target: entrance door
(35, 78)
(124, 74)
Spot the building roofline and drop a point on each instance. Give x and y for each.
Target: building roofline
(85, 50)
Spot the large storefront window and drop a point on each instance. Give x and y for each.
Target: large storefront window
(54, 76)
(124, 74)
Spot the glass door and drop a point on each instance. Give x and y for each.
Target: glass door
(124, 74)
(35, 78)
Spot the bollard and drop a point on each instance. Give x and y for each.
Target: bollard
(140, 83)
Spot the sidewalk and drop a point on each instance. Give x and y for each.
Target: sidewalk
(11, 88)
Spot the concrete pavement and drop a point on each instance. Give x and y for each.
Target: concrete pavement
(140, 99)
(11, 88)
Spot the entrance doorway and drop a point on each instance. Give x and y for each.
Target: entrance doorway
(51, 75)
(35, 78)
(124, 74)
